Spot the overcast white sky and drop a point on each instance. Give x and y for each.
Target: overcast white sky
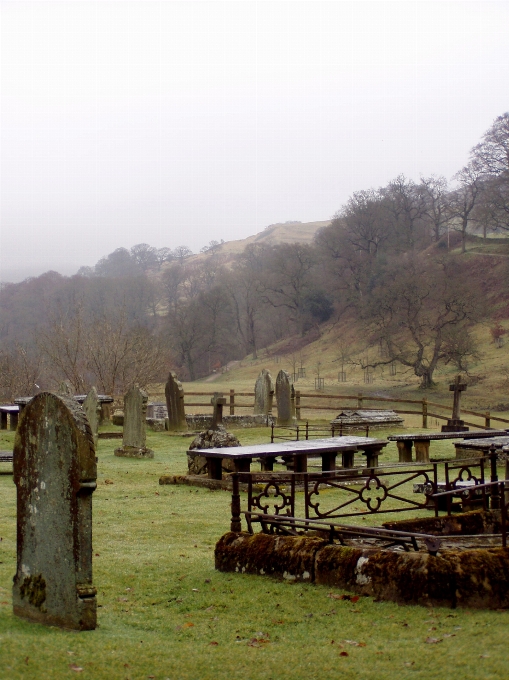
(174, 123)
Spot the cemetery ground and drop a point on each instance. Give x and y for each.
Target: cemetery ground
(164, 612)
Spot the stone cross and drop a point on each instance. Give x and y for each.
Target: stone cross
(55, 475)
(174, 394)
(217, 401)
(135, 426)
(264, 394)
(457, 387)
(284, 399)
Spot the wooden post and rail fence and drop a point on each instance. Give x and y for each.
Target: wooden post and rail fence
(335, 402)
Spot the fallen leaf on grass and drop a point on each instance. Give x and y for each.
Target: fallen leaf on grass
(343, 653)
(484, 656)
(354, 643)
(409, 663)
(188, 625)
(214, 643)
(277, 623)
(76, 668)
(349, 598)
(432, 640)
(448, 635)
(108, 481)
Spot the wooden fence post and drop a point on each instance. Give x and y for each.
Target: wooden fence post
(359, 400)
(232, 402)
(297, 404)
(487, 419)
(425, 413)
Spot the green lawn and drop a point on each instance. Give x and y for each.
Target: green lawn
(164, 612)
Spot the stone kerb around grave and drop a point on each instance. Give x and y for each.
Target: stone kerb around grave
(55, 474)
(135, 428)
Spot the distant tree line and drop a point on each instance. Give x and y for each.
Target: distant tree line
(383, 264)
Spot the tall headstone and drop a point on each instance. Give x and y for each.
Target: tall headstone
(174, 393)
(284, 399)
(55, 474)
(135, 429)
(264, 394)
(92, 408)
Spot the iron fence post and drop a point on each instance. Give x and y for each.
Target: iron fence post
(495, 498)
(235, 524)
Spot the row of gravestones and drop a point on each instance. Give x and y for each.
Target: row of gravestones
(264, 396)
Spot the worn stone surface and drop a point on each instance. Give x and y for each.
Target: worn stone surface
(470, 578)
(54, 472)
(135, 433)
(287, 557)
(284, 399)
(264, 393)
(174, 394)
(209, 439)
(92, 408)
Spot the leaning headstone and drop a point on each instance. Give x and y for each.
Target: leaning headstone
(92, 408)
(284, 399)
(135, 432)
(55, 474)
(174, 393)
(264, 394)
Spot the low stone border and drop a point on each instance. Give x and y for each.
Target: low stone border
(470, 578)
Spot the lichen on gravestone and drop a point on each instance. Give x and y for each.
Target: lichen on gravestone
(55, 475)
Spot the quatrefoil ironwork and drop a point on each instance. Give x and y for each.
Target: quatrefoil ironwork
(373, 494)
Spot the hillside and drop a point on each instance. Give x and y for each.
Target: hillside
(274, 234)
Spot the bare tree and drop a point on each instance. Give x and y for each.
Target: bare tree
(463, 200)
(434, 189)
(415, 309)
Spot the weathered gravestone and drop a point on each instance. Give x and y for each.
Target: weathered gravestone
(285, 416)
(92, 408)
(135, 432)
(264, 393)
(55, 474)
(174, 393)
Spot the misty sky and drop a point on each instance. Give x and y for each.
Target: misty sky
(174, 123)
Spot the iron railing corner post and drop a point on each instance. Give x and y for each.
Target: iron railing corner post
(235, 524)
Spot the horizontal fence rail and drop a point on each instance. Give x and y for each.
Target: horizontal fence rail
(359, 399)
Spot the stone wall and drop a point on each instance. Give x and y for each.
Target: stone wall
(204, 422)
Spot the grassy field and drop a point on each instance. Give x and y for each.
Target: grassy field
(164, 612)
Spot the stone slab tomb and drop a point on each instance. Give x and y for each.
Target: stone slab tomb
(135, 428)
(55, 475)
(376, 418)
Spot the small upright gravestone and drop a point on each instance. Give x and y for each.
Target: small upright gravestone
(284, 399)
(55, 474)
(264, 394)
(174, 393)
(135, 434)
(92, 408)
